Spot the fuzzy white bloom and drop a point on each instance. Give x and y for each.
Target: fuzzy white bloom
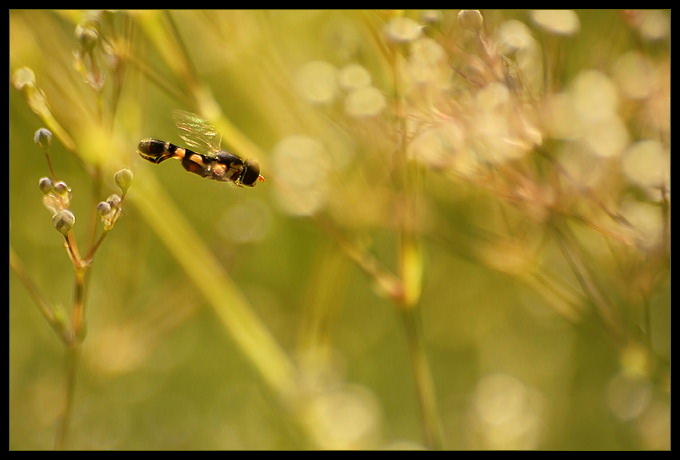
(471, 20)
(558, 22)
(402, 29)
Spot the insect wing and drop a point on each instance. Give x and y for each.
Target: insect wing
(196, 132)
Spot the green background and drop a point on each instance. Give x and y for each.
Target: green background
(512, 366)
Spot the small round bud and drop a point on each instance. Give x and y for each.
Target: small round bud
(63, 221)
(123, 179)
(61, 188)
(471, 20)
(46, 185)
(114, 200)
(43, 138)
(103, 208)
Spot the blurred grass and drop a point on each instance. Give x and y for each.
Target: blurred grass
(518, 356)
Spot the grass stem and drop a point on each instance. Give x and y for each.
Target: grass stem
(423, 378)
(72, 361)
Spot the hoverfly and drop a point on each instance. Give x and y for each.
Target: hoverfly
(215, 164)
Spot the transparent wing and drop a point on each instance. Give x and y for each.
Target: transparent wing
(196, 132)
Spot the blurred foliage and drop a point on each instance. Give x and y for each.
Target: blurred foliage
(502, 175)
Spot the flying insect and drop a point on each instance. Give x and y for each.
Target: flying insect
(214, 163)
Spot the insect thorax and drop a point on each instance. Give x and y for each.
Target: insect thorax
(226, 166)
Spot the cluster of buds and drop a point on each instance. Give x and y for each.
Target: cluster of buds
(109, 211)
(57, 195)
(56, 198)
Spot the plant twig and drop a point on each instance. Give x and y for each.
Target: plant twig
(410, 268)
(422, 375)
(43, 304)
(603, 308)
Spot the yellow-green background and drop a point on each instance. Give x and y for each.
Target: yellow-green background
(160, 368)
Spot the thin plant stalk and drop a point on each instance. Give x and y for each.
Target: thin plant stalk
(44, 306)
(410, 271)
(75, 338)
(603, 308)
(228, 302)
(422, 375)
(72, 361)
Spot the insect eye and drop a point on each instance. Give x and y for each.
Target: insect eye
(251, 172)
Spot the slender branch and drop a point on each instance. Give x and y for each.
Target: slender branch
(423, 378)
(603, 309)
(90, 255)
(584, 190)
(78, 315)
(96, 193)
(157, 79)
(45, 308)
(72, 361)
(49, 165)
(388, 284)
(191, 74)
(410, 270)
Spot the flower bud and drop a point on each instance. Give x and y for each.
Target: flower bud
(43, 138)
(61, 188)
(114, 200)
(63, 221)
(103, 208)
(46, 185)
(61, 195)
(123, 179)
(63, 191)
